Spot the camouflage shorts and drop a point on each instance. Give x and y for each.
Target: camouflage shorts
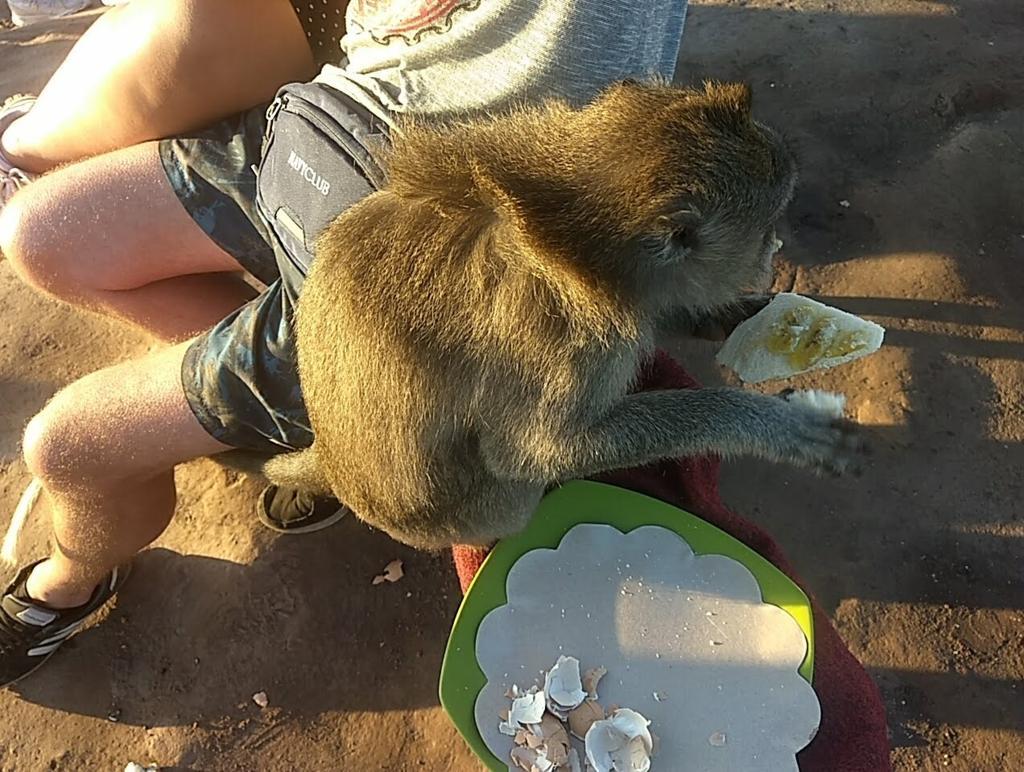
(240, 378)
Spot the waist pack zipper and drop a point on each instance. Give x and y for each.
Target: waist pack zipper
(322, 121)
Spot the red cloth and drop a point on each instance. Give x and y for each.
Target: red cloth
(853, 736)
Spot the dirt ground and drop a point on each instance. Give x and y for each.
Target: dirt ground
(909, 119)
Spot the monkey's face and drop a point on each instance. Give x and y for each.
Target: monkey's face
(714, 262)
(701, 186)
(767, 245)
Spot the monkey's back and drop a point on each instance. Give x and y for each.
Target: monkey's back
(391, 362)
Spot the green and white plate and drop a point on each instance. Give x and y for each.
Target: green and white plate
(585, 502)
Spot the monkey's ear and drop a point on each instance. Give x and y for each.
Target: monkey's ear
(738, 96)
(681, 231)
(729, 103)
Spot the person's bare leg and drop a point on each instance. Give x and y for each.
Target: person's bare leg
(104, 449)
(157, 68)
(109, 234)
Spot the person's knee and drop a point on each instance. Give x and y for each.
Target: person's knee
(58, 450)
(47, 453)
(41, 449)
(120, 425)
(11, 217)
(31, 243)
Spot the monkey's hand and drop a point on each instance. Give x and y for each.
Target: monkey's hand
(812, 432)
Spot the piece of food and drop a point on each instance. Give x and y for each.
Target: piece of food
(794, 334)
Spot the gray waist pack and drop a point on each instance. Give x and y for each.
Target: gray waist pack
(316, 163)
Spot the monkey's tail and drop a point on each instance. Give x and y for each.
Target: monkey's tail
(300, 470)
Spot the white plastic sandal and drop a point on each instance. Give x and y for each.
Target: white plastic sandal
(12, 179)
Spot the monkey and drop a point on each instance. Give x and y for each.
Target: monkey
(468, 335)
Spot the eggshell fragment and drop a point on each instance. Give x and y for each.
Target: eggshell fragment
(591, 679)
(506, 727)
(620, 743)
(581, 719)
(632, 724)
(530, 760)
(632, 757)
(537, 723)
(554, 737)
(551, 729)
(527, 709)
(563, 686)
(573, 764)
(393, 571)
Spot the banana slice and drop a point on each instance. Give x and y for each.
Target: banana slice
(794, 334)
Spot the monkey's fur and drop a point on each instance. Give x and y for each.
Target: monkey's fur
(469, 335)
